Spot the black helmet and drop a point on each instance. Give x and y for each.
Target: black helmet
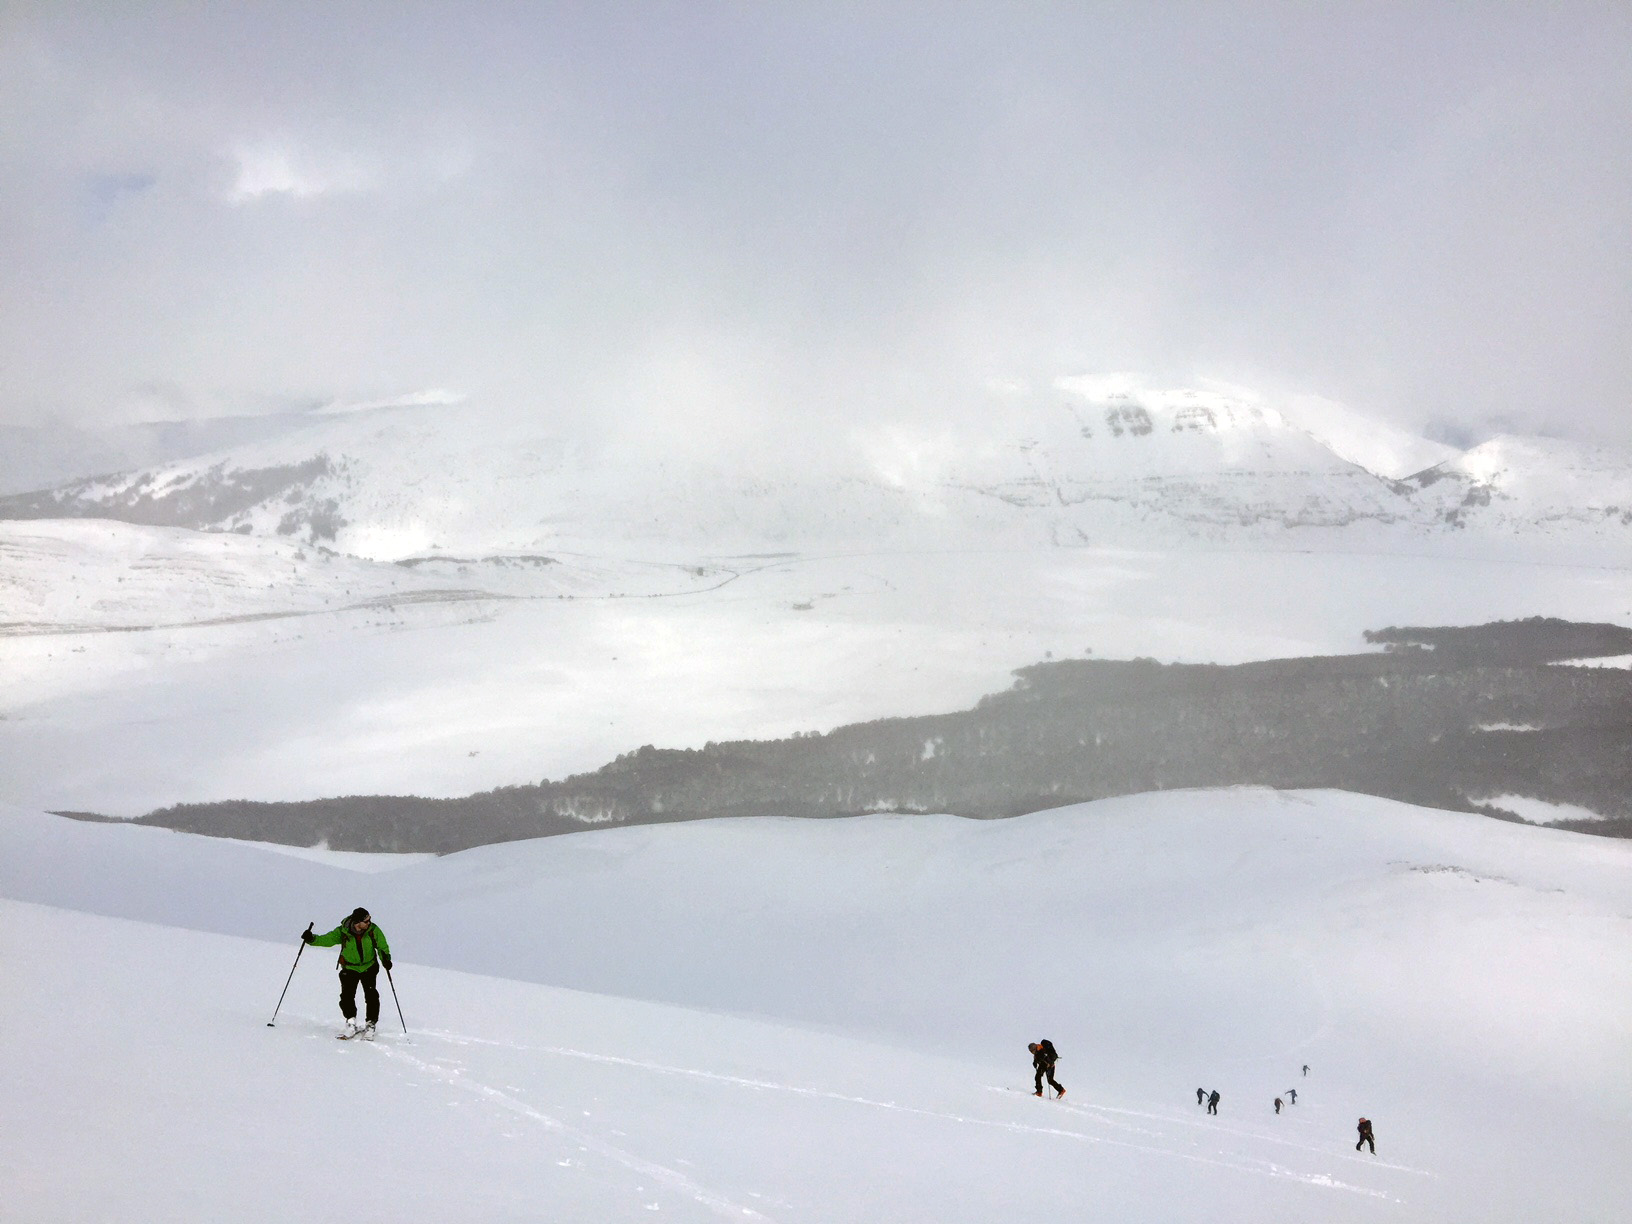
(358, 915)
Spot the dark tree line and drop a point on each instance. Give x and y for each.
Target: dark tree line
(1449, 718)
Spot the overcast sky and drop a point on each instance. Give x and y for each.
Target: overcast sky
(609, 215)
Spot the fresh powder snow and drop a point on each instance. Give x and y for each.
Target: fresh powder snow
(827, 1020)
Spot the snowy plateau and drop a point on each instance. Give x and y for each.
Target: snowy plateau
(768, 1019)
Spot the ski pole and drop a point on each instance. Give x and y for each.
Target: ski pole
(272, 1023)
(394, 999)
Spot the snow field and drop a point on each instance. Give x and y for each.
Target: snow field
(62, 577)
(73, 576)
(182, 1105)
(810, 1021)
(440, 699)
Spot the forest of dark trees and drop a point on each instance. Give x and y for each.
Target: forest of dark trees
(1443, 717)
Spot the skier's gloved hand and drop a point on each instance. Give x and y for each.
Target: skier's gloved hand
(306, 936)
(386, 961)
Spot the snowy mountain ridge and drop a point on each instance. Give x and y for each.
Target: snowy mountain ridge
(1103, 462)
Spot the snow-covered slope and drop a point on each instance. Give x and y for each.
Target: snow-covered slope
(43, 456)
(1374, 445)
(423, 480)
(75, 576)
(831, 1021)
(1166, 465)
(1098, 461)
(64, 576)
(1515, 484)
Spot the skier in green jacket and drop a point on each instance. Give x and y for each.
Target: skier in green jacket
(363, 949)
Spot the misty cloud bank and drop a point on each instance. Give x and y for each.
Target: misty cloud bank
(660, 224)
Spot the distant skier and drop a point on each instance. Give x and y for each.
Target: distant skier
(363, 949)
(1212, 1101)
(1043, 1058)
(1306, 1068)
(1293, 1093)
(1277, 1104)
(1366, 1136)
(1201, 1096)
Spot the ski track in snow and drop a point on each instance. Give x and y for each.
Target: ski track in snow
(1245, 1134)
(672, 1178)
(1261, 1168)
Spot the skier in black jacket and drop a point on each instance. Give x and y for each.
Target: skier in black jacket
(1366, 1136)
(1043, 1058)
(1212, 1101)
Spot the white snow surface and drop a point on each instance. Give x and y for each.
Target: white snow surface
(1375, 445)
(65, 576)
(447, 697)
(352, 860)
(817, 1021)
(1540, 811)
(1620, 661)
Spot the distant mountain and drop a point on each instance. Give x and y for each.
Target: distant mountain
(34, 457)
(1127, 465)
(1515, 483)
(1104, 463)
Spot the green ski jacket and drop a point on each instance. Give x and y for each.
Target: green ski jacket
(357, 952)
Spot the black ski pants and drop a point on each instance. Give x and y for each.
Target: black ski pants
(1042, 1070)
(1367, 1139)
(371, 996)
(1212, 1106)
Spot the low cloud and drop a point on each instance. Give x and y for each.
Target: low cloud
(274, 168)
(693, 223)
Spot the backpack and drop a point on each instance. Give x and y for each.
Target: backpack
(1049, 1052)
